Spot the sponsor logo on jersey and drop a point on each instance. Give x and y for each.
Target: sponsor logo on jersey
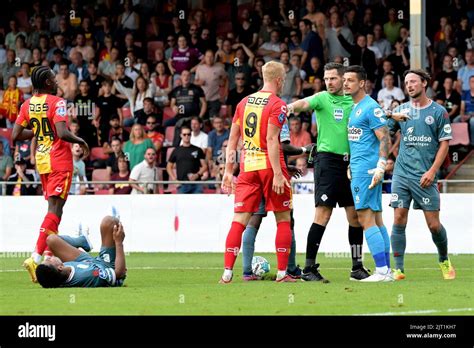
(238, 204)
(426, 200)
(194, 154)
(338, 114)
(358, 112)
(394, 197)
(324, 197)
(257, 101)
(103, 274)
(378, 112)
(429, 120)
(447, 128)
(356, 189)
(287, 203)
(354, 133)
(357, 199)
(416, 140)
(248, 146)
(59, 189)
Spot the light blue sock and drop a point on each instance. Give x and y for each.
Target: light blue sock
(386, 240)
(248, 248)
(76, 242)
(399, 243)
(376, 245)
(292, 259)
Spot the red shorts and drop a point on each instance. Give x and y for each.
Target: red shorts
(252, 185)
(56, 184)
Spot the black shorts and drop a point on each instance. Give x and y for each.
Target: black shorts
(331, 183)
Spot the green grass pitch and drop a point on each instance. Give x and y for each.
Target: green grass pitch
(186, 284)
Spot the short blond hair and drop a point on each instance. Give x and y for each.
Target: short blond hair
(272, 70)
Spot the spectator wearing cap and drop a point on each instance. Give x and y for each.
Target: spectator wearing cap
(210, 77)
(145, 171)
(87, 52)
(78, 67)
(67, 82)
(123, 174)
(189, 162)
(20, 177)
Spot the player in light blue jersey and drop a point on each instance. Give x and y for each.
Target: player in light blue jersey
(71, 267)
(250, 233)
(369, 144)
(425, 135)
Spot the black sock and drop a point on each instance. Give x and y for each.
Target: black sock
(314, 238)
(356, 239)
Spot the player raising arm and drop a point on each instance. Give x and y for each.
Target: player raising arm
(44, 117)
(258, 120)
(369, 143)
(423, 148)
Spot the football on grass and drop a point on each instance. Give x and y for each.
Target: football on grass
(260, 265)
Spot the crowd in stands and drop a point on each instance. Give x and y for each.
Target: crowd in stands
(152, 85)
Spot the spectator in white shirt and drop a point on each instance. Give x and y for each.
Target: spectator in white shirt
(144, 171)
(306, 175)
(389, 93)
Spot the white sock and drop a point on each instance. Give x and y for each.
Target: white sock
(281, 274)
(381, 270)
(227, 274)
(36, 257)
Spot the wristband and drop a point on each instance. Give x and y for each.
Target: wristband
(303, 149)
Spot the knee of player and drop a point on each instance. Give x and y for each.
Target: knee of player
(434, 226)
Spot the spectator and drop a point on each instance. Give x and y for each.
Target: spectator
(141, 91)
(79, 173)
(132, 69)
(116, 130)
(106, 51)
(84, 113)
(162, 84)
(380, 42)
(60, 44)
(87, 52)
(108, 67)
(142, 115)
(111, 163)
(237, 94)
(270, 50)
(183, 58)
(449, 98)
(36, 58)
(400, 58)
(359, 53)
(387, 67)
(24, 81)
(145, 171)
(152, 132)
(448, 71)
(10, 106)
(225, 54)
(107, 105)
(467, 109)
(257, 76)
(24, 150)
(306, 175)
(128, 20)
(335, 29)
(172, 45)
(458, 58)
(123, 174)
(243, 64)
(10, 68)
(198, 137)
(370, 90)
(38, 31)
(311, 45)
(246, 30)
(370, 45)
(389, 92)
(205, 41)
(123, 85)
(298, 136)
(6, 165)
(10, 38)
(94, 80)
(67, 82)
(189, 162)
(387, 187)
(314, 71)
(441, 46)
(74, 127)
(21, 176)
(292, 85)
(136, 147)
(216, 138)
(466, 72)
(210, 77)
(392, 27)
(78, 67)
(54, 18)
(20, 49)
(145, 72)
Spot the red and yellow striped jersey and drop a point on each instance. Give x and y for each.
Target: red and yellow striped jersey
(41, 113)
(253, 114)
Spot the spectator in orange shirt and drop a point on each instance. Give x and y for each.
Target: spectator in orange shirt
(298, 136)
(9, 108)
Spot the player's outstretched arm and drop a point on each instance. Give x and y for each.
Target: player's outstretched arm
(21, 133)
(290, 150)
(297, 106)
(66, 135)
(119, 236)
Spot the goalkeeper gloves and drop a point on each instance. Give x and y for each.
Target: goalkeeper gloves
(377, 173)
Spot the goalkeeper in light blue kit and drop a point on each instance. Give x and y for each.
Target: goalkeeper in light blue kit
(369, 144)
(425, 136)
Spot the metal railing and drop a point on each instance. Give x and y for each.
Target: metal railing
(444, 183)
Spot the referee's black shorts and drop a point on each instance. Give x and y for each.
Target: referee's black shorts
(331, 183)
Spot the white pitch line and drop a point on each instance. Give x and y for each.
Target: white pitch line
(426, 311)
(215, 268)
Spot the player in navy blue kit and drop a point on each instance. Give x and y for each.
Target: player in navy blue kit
(369, 144)
(424, 144)
(71, 267)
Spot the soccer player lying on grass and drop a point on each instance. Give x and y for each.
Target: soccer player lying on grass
(71, 267)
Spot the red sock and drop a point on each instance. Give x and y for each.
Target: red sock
(49, 226)
(283, 244)
(232, 244)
